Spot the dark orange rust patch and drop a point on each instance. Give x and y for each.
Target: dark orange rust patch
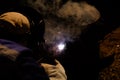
(111, 45)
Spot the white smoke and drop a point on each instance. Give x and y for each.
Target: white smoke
(65, 22)
(71, 19)
(82, 12)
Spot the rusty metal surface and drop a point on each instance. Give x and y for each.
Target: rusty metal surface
(111, 45)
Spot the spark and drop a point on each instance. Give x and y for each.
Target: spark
(61, 46)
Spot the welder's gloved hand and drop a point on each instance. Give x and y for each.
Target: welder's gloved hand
(55, 72)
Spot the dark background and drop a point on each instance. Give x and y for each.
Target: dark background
(81, 59)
